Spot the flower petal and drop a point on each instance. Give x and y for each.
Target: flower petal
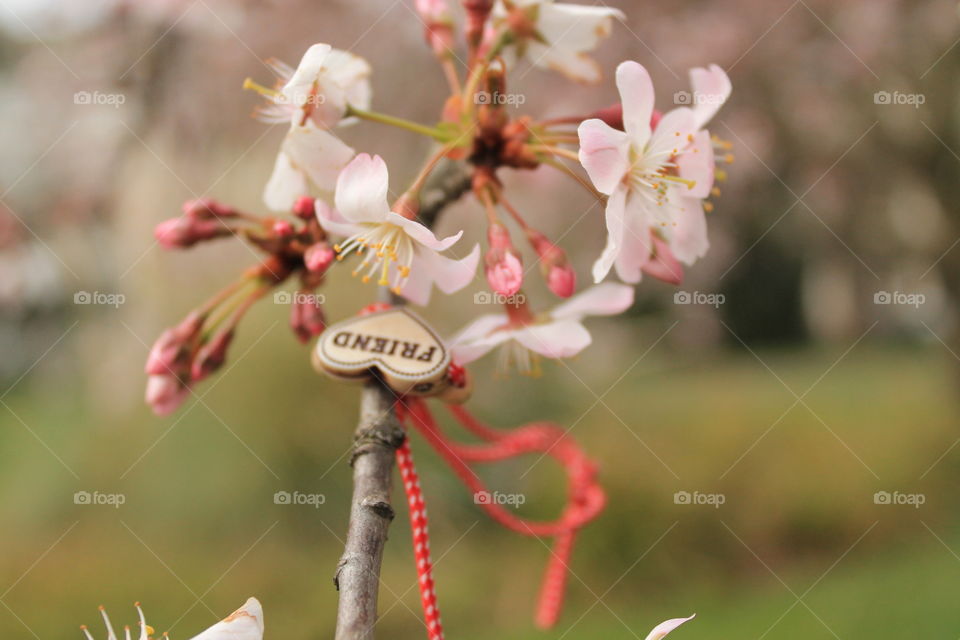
(615, 212)
(711, 88)
(311, 89)
(317, 153)
(664, 628)
(479, 337)
(333, 223)
(605, 299)
(352, 74)
(285, 185)
(557, 339)
(688, 239)
(604, 153)
(636, 245)
(697, 163)
(636, 95)
(673, 133)
(430, 268)
(571, 30)
(246, 623)
(362, 190)
(422, 234)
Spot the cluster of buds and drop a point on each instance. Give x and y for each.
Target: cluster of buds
(197, 347)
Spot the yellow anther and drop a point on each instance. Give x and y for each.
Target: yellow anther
(365, 279)
(250, 85)
(708, 206)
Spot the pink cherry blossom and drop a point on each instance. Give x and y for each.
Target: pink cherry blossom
(655, 179)
(397, 251)
(558, 334)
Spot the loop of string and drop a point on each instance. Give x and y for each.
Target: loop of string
(585, 497)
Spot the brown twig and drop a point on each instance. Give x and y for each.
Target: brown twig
(376, 439)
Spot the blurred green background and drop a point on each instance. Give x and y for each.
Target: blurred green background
(798, 399)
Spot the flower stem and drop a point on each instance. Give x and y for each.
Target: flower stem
(382, 118)
(573, 174)
(557, 151)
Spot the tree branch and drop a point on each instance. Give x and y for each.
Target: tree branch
(376, 440)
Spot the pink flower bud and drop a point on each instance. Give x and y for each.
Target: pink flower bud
(304, 208)
(283, 228)
(663, 265)
(556, 269)
(170, 354)
(318, 257)
(211, 356)
(306, 316)
(206, 209)
(186, 231)
(165, 393)
(502, 263)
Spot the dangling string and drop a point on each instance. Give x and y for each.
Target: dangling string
(585, 497)
(421, 541)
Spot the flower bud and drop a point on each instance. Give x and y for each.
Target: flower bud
(318, 257)
(304, 208)
(306, 316)
(207, 209)
(662, 264)
(186, 231)
(283, 228)
(556, 269)
(165, 393)
(211, 355)
(170, 354)
(502, 263)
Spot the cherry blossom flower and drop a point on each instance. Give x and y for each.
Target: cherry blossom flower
(246, 623)
(313, 98)
(558, 334)
(556, 35)
(397, 251)
(666, 627)
(655, 178)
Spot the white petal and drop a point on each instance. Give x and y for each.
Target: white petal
(285, 185)
(246, 623)
(664, 628)
(605, 299)
(352, 74)
(422, 234)
(317, 153)
(636, 96)
(688, 239)
(697, 163)
(672, 132)
(711, 88)
(571, 30)
(637, 244)
(479, 338)
(362, 190)
(558, 339)
(616, 204)
(604, 153)
(333, 223)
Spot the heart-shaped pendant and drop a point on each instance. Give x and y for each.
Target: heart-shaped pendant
(397, 346)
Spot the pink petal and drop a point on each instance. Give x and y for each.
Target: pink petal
(452, 275)
(285, 185)
(697, 163)
(616, 205)
(479, 338)
(556, 339)
(636, 94)
(421, 234)
(664, 628)
(362, 189)
(711, 87)
(688, 239)
(673, 132)
(605, 299)
(332, 222)
(636, 245)
(663, 265)
(604, 153)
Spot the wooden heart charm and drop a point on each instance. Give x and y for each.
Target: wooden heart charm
(394, 344)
